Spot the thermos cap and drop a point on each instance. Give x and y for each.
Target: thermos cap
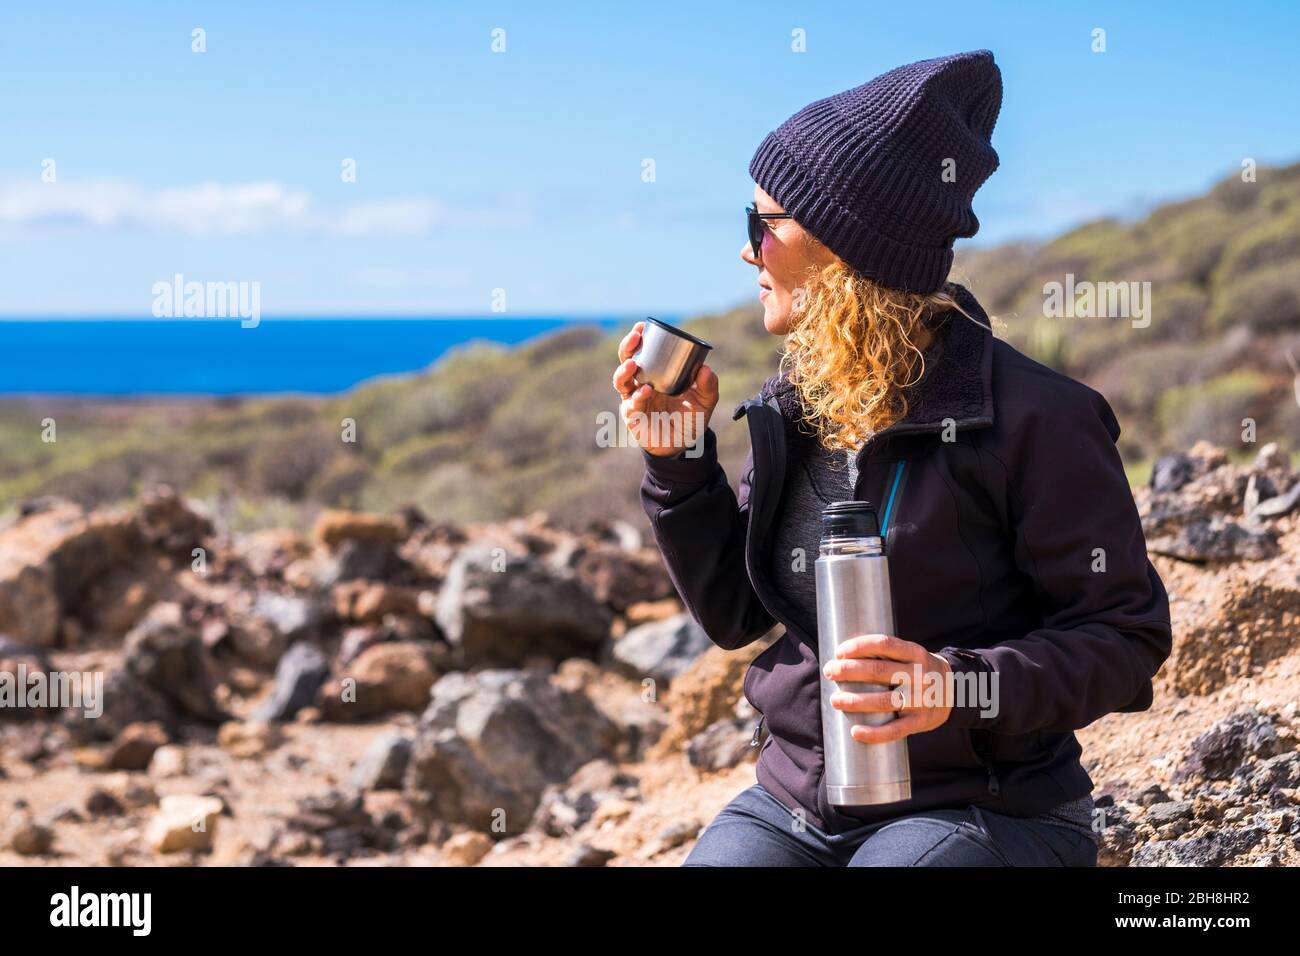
(850, 519)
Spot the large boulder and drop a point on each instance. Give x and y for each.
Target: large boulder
(662, 649)
(499, 608)
(165, 654)
(49, 558)
(490, 744)
(65, 572)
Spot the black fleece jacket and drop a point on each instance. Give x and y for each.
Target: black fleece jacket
(1015, 548)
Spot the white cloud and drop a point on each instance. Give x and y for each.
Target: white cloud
(211, 208)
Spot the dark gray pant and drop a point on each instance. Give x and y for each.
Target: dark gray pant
(756, 829)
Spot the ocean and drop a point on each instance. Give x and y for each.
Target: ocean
(108, 357)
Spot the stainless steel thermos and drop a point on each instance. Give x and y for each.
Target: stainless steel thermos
(853, 599)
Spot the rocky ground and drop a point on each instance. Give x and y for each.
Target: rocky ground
(390, 690)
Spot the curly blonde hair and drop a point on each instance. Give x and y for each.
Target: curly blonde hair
(851, 351)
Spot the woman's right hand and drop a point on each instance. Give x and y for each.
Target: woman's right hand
(664, 425)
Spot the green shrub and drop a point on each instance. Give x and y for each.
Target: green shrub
(1213, 410)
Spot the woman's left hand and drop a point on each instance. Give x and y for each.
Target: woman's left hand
(891, 661)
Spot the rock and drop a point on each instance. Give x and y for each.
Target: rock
(269, 552)
(19, 662)
(705, 694)
(168, 761)
(644, 612)
(275, 621)
(466, 848)
(298, 677)
(101, 803)
(619, 578)
(183, 822)
(1237, 620)
(1171, 811)
(165, 654)
(50, 557)
(90, 758)
(333, 528)
(355, 560)
(65, 813)
(170, 525)
(1274, 775)
(631, 705)
(339, 821)
(661, 650)
(673, 836)
(622, 534)
(383, 764)
(496, 608)
(587, 855)
(244, 740)
(721, 745)
(130, 791)
(1220, 751)
(385, 677)
(135, 746)
(1277, 506)
(26, 837)
(357, 639)
(371, 601)
(1215, 539)
(566, 807)
(1214, 849)
(1152, 795)
(1172, 472)
(491, 742)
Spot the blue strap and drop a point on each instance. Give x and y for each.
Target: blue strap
(889, 502)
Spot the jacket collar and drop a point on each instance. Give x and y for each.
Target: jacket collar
(957, 388)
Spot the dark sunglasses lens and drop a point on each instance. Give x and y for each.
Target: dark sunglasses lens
(755, 227)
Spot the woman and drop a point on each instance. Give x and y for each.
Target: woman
(1016, 554)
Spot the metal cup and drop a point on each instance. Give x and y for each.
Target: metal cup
(668, 358)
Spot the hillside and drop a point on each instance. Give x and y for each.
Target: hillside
(489, 433)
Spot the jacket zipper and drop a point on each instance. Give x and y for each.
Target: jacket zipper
(993, 786)
(758, 731)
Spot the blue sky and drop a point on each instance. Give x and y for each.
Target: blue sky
(522, 170)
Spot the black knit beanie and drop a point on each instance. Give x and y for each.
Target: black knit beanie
(883, 174)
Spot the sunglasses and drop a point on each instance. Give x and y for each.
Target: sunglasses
(754, 223)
